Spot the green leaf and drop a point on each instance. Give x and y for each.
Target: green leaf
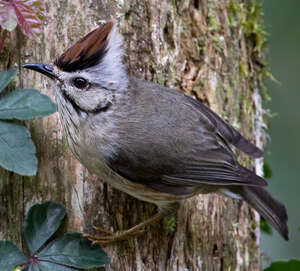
(264, 226)
(73, 250)
(45, 266)
(267, 170)
(6, 77)
(41, 222)
(32, 267)
(10, 256)
(292, 265)
(17, 151)
(25, 104)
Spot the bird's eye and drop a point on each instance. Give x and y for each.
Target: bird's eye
(80, 82)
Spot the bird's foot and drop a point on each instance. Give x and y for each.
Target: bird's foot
(110, 237)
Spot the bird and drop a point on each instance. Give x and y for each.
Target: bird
(152, 142)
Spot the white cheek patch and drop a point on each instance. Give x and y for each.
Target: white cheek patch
(92, 100)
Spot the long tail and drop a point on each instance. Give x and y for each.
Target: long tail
(268, 207)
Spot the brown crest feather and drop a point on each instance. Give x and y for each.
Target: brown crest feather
(86, 52)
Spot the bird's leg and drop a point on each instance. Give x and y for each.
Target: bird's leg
(120, 235)
(110, 236)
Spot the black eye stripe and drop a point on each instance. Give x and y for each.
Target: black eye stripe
(80, 82)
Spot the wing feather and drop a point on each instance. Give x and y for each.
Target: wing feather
(177, 143)
(226, 131)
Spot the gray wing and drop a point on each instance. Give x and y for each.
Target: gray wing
(176, 142)
(225, 130)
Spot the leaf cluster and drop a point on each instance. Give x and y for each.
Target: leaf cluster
(292, 265)
(17, 151)
(69, 251)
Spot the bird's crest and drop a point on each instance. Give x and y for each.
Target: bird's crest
(86, 52)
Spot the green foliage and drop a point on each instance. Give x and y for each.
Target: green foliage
(41, 222)
(25, 104)
(69, 251)
(267, 170)
(11, 256)
(292, 265)
(17, 151)
(264, 226)
(72, 249)
(249, 20)
(6, 77)
(254, 27)
(169, 224)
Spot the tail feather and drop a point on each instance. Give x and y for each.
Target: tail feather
(268, 207)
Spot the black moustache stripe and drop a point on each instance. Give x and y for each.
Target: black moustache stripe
(101, 108)
(72, 102)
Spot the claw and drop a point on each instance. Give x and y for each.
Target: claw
(103, 230)
(110, 237)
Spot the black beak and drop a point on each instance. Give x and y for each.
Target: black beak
(45, 69)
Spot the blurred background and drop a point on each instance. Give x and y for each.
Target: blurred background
(282, 22)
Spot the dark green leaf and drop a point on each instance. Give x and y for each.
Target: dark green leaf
(54, 267)
(41, 222)
(73, 250)
(46, 266)
(10, 256)
(6, 77)
(25, 104)
(17, 151)
(264, 226)
(292, 265)
(267, 171)
(31, 267)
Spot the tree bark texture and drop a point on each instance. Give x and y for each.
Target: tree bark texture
(201, 47)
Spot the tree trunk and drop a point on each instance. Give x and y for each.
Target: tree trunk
(206, 48)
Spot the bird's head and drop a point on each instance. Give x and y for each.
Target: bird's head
(89, 72)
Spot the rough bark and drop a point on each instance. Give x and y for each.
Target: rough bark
(200, 47)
